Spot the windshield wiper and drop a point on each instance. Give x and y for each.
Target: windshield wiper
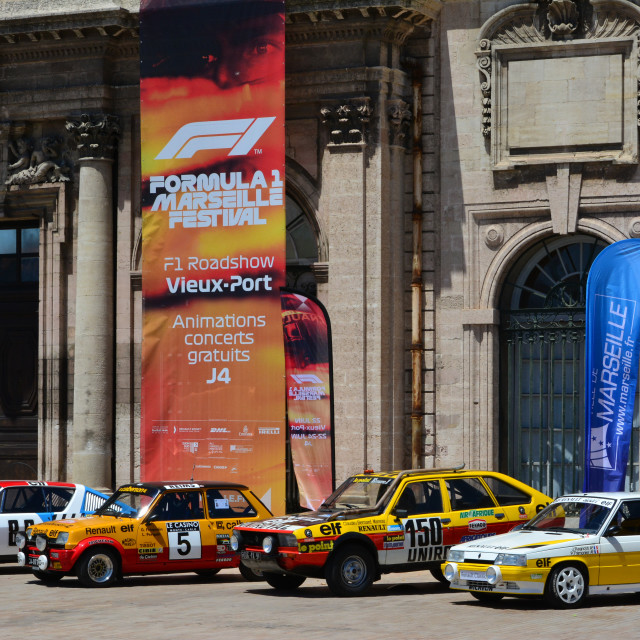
(109, 512)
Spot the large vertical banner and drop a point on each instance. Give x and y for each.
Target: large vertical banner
(307, 341)
(612, 334)
(213, 230)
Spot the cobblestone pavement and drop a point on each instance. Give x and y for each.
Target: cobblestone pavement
(181, 606)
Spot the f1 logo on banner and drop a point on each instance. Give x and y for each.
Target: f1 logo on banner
(238, 135)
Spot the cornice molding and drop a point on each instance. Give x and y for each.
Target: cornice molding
(313, 11)
(77, 25)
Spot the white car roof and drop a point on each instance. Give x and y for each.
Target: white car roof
(609, 495)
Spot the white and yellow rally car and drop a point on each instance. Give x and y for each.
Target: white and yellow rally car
(580, 545)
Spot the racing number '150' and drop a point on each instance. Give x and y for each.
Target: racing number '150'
(424, 532)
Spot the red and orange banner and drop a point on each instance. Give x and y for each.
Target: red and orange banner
(213, 230)
(307, 342)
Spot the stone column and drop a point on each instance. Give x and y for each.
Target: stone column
(92, 450)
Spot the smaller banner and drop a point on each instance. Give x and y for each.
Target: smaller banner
(612, 332)
(308, 367)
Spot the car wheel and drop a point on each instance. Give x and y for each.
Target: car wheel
(566, 587)
(98, 568)
(207, 573)
(284, 582)
(47, 577)
(485, 596)
(436, 572)
(350, 571)
(251, 575)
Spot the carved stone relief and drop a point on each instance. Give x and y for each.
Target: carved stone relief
(400, 122)
(33, 163)
(549, 21)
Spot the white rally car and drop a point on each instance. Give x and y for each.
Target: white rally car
(26, 502)
(579, 545)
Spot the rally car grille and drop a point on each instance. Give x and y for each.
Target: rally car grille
(253, 538)
(474, 561)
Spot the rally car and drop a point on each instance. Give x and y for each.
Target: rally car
(581, 544)
(150, 527)
(27, 502)
(377, 523)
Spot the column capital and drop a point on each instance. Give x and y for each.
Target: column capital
(347, 122)
(95, 136)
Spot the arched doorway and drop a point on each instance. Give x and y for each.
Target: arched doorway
(302, 248)
(542, 365)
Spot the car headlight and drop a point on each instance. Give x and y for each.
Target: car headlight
(511, 559)
(287, 540)
(455, 556)
(234, 542)
(267, 544)
(494, 575)
(450, 572)
(41, 543)
(63, 537)
(21, 540)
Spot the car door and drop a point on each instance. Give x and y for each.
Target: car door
(474, 512)
(175, 532)
(417, 526)
(226, 508)
(620, 546)
(19, 507)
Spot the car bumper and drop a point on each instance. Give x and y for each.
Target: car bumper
(48, 560)
(287, 560)
(495, 579)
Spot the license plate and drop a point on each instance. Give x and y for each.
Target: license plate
(251, 555)
(479, 576)
(33, 562)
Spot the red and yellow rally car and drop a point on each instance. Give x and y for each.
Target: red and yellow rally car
(377, 523)
(150, 527)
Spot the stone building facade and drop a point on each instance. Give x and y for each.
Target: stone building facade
(453, 167)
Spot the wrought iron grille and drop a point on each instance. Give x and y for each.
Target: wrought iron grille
(543, 367)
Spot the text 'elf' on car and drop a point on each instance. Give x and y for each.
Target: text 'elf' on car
(580, 545)
(377, 523)
(27, 502)
(149, 527)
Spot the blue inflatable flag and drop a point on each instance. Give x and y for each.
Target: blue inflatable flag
(612, 333)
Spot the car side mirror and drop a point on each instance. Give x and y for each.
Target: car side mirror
(613, 530)
(401, 513)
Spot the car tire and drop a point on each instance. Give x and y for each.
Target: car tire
(49, 578)
(436, 572)
(98, 568)
(566, 587)
(486, 596)
(350, 571)
(251, 575)
(207, 573)
(284, 582)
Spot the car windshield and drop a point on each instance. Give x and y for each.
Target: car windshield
(358, 492)
(128, 502)
(584, 516)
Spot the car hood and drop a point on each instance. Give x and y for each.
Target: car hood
(522, 541)
(104, 523)
(297, 520)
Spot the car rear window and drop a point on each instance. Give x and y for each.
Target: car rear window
(506, 494)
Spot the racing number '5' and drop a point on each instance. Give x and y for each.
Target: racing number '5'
(183, 539)
(424, 532)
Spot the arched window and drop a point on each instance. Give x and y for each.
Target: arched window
(542, 365)
(302, 248)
